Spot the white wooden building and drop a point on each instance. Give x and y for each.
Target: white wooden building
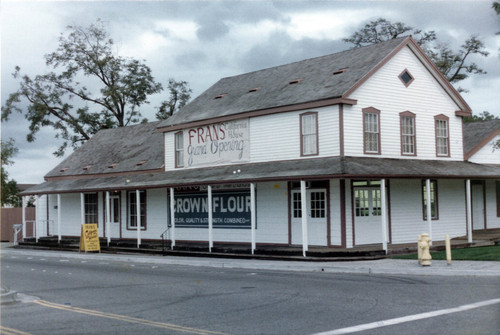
(337, 151)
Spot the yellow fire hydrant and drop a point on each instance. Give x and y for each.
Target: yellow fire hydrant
(424, 245)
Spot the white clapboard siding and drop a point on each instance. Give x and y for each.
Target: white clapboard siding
(277, 137)
(492, 220)
(424, 97)
(335, 223)
(488, 154)
(407, 220)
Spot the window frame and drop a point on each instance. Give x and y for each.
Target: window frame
(89, 204)
(366, 112)
(132, 204)
(179, 152)
(497, 191)
(438, 119)
(412, 117)
(434, 195)
(314, 134)
(409, 74)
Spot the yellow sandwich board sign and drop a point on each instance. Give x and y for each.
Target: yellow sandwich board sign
(89, 239)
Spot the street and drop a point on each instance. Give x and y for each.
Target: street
(68, 295)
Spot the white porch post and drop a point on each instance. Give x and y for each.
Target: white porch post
(108, 219)
(383, 214)
(24, 217)
(429, 206)
(82, 208)
(172, 217)
(469, 211)
(37, 204)
(138, 221)
(58, 218)
(210, 220)
(303, 203)
(252, 215)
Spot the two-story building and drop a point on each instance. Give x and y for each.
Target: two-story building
(359, 147)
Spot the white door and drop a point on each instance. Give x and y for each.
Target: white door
(316, 217)
(367, 215)
(477, 194)
(114, 206)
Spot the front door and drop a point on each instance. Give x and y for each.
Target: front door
(316, 217)
(367, 215)
(477, 193)
(114, 206)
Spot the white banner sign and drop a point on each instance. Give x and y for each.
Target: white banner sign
(220, 143)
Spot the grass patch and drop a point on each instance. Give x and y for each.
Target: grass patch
(490, 253)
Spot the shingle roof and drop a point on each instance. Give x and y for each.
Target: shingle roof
(134, 148)
(318, 168)
(316, 82)
(476, 132)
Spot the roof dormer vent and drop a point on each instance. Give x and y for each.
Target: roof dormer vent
(86, 168)
(141, 163)
(63, 169)
(112, 166)
(220, 96)
(340, 71)
(296, 81)
(253, 89)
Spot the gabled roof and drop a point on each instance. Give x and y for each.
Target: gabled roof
(136, 148)
(478, 134)
(310, 83)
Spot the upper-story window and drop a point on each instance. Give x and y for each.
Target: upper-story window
(406, 77)
(309, 133)
(179, 149)
(371, 130)
(408, 138)
(442, 135)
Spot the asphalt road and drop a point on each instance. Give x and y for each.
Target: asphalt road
(64, 295)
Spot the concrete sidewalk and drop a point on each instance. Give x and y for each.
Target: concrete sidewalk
(376, 267)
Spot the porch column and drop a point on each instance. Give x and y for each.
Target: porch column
(210, 220)
(24, 216)
(172, 217)
(383, 213)
(138, 204)
(37, 204)
(108, 219)
(469, 211)
(303, 203)
(82, 208)
(58, 218)
(429, 206)
(252, 215)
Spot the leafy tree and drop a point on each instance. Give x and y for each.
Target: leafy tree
(180, 93)
(9, 187)
(454, 65)
(484, 116)
(496, 7)
(59, 98)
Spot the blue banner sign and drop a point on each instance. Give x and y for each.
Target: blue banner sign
(229, 209)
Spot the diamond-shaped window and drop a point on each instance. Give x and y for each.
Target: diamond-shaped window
(406, 78)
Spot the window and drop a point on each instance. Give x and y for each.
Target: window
(434, 200)
(309, 134)
(90, 206)
(179, 149)
(406, 77)
(442, 136)
(371, 133)
(408, 139)
(316, 206)
(132, 209)
(367, 201)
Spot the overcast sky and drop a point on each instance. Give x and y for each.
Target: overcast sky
(203, 41)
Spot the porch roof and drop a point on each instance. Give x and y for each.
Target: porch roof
(309, 169)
